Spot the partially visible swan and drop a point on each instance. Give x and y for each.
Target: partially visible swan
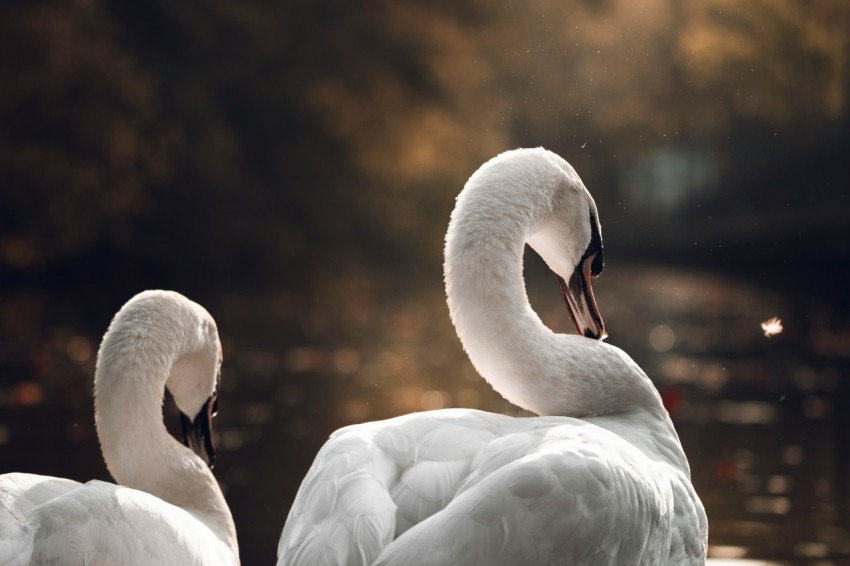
(602, 480)
(167, 508)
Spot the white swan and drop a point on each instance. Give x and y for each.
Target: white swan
(603, 480)
(168, 508)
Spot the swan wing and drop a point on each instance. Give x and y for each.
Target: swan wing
(341, 520)
(342, 513)
(689, 544)
(101, 523)
(461, 486)
(581, 495)
(373, 481)
(19, 495)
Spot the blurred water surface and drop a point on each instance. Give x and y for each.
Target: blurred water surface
(764, 421)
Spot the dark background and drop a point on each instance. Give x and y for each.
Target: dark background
(292, 166)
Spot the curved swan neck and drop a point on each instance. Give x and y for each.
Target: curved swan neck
(136, 360)
(527, 363)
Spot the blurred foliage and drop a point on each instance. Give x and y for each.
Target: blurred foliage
(784, 63)
(268, 142)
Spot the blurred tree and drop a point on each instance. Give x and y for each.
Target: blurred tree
(81, 140)
(266, 143)
(783, 63)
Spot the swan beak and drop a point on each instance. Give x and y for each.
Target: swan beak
(578, 294)
(197, 433)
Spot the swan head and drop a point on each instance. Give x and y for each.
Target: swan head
(161, 340)
(532, 196)
(194, 384)
(197, 428)
(567, 235)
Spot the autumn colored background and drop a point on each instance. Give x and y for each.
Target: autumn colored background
(292, 166)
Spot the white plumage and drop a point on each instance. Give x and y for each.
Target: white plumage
(603, 480)
(168, 508)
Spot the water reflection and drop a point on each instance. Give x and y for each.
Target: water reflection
(763, 420)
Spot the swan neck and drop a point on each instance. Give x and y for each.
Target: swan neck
(495, 323)
(526, 362)
(132, 371)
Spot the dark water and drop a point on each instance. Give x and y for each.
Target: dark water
(764, 420)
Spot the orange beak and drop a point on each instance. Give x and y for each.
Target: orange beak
(578, 294)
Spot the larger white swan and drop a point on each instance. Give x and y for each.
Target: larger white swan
(168, 508)
(603, 480)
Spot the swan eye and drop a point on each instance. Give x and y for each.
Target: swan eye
(214, 404)
(597, 265)
(595, 247)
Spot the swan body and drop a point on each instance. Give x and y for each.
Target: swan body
(600, 478)
(167, 507)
